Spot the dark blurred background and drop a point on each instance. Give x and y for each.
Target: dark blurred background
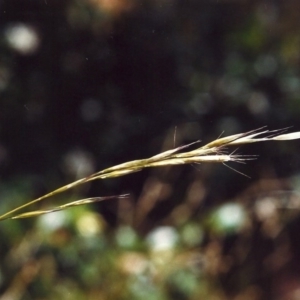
(88, 84)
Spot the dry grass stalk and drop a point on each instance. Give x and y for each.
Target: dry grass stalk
(213, 152)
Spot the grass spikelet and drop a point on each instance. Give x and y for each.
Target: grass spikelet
(213, 152)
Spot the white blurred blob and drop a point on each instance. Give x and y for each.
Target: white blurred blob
(133, 263)
(162, 238)
(53, 221)
(22, 38)
(90, 110)
(231, 216)
(258, 103)
(89, 225)
(266, 65)
(78, 163)
(265, 208)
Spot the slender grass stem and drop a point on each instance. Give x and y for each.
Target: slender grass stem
(213, 152)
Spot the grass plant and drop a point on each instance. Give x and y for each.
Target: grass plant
(213, 152)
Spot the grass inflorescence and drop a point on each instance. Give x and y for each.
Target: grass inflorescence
(213, 152)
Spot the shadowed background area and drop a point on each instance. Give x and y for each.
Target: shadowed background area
(88, 84)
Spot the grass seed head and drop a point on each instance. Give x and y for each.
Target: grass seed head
(213, 152)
